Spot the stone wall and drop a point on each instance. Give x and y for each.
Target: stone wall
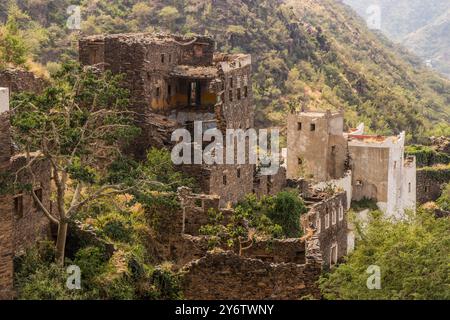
(269, 185)
(430, 182)
(17, 80)
(227, 276)
(278, 251)
(6, 213)
(31, 224)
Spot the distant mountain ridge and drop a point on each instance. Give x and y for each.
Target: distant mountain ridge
(421, 26)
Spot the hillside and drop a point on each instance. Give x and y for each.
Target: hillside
(310, 52)
(421, 26)
(432, 42)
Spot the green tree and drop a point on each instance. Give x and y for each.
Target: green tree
(444, 200)
(413, 257)
(285, 210)
(12, 47)
(169, 15)
(78, 125)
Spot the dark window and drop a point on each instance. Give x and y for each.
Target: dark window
(333, 149)
(238, 173)
(231, 82)
(158, 92)
(313, 127)
(245, 92)
(239, 93)
(199, 203)
(170, 58)
(224, 180)
(194, 93)
(169, 90)
(162, 58)
(18, 206)
(231, 95)
(300, 161)
(38, 193)
(299, 126)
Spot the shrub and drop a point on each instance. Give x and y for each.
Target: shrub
(115, 226)
(285, 210)
(91, 261)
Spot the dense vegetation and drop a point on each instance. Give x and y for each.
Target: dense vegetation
(131, 272)
(412, 256)
(309, 52)
(426, 155)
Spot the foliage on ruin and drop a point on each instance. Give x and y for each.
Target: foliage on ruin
(444, 200)
(363, 204)
(438, 172)
(272, 217)
(412, 256)
(426, 155)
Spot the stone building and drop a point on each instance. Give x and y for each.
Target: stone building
(21, 221)
(316, 147)
(184, 80)
(319, 150)
(380, 172)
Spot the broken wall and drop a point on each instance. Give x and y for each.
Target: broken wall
(226, 276)
(18, 80)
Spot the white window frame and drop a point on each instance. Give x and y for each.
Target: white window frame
(327, 221)
(341, 212)
(334, 245)
(333, 217)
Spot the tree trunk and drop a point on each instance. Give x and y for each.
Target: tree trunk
(61, 242)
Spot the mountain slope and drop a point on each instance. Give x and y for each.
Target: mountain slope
(308, 52)
(421, 26)
(432, 42)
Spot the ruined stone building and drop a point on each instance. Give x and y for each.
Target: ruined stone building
(268, 268)
(21, 221)
(365, 166)
(183, 80)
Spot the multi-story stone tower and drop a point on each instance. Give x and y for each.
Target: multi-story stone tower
(317, 149)
(185, 81)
